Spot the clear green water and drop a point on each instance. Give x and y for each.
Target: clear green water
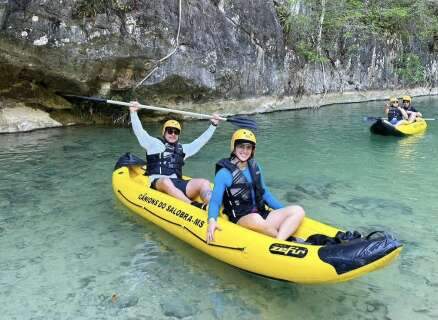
(67, 246)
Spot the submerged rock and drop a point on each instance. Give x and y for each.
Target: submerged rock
(127, 302)
(177, 307)
(367, 205)
(321, 189)
(86, 281)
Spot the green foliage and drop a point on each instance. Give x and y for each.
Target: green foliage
(349, 24)
(390, 19)
(410, 69)
(91, 8)
(284, 17)
(309, 53)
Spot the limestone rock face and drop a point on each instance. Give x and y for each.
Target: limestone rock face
(227, 49)
(22, 118)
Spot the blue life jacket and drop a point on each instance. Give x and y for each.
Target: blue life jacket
(168, 162)
(238, 199)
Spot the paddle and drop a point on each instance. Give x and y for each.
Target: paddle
(377, 118)
(236, 120)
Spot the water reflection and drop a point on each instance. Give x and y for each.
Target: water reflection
(408, 146)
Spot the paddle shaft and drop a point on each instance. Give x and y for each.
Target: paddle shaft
(235, 120)
(142, 106)
(382, 118)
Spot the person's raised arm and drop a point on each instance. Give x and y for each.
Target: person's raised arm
(192, 148)
(151, 144)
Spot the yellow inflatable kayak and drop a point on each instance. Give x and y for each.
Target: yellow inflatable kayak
(254, 252)
(384, 127)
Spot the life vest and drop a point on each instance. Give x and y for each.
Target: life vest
(411, 109)
(394, 113)
(238, 198)
(168, 162)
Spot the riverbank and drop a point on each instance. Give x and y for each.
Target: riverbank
(272, 104)
(17, 117)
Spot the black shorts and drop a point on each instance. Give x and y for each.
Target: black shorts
(178, 183)
(264, 215)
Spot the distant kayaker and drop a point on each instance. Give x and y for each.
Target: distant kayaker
(239, 186)
(413, 114)
(396, 114)
(165, 158)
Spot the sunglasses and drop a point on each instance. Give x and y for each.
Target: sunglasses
(172, 131)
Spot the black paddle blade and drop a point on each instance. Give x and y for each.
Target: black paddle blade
(368, 119)
(242, 122)
(93, 99)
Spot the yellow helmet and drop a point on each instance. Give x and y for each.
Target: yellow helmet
(171, 124)
(242, 134)
(393, 99)
(407, 98)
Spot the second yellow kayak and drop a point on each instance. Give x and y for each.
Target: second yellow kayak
(384, 127)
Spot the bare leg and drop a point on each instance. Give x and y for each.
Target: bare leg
(165, 185)
(256, 223)
(291, 224)
(286, 220)
(199, 187)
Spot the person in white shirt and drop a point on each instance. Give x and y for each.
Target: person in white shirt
(165, 158)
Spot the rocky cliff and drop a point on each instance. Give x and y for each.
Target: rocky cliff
(225, 50)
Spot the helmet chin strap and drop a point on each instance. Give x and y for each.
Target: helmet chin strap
(234, 159)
